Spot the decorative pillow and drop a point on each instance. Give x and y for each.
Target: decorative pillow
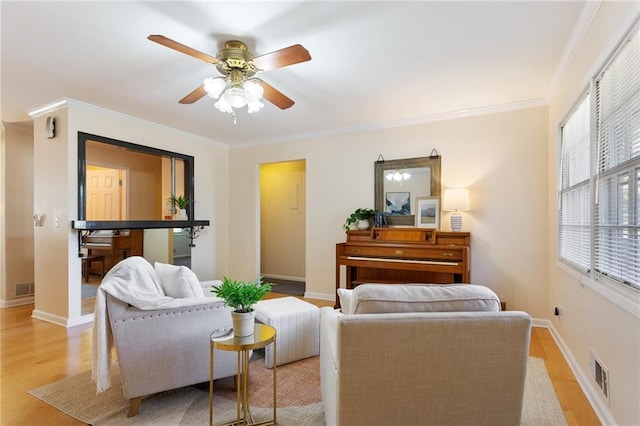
(397, 298)
(178, 281)
(344, 295)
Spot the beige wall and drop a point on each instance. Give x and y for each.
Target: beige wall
(595, 317)
(17, 211)
(52, 191)
(57, 264)
(282, 220)
(144, 173)
(500, 157)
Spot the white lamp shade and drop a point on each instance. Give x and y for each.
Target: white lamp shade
(214, 86)
(235, 97)
(253, 90)
(456, 200)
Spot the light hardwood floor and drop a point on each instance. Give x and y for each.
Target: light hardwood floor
(34, 353)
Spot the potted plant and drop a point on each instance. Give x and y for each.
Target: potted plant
(179, 206)
(241, 296)
(359, 218)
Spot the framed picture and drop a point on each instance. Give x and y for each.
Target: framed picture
(428, 212)
(397, 203)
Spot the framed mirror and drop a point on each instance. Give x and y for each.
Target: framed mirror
(398, 183)
(123, 181)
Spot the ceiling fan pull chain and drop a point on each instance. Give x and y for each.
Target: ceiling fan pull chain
(233, 113)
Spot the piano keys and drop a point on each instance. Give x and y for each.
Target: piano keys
(403, 255)
(115, 245)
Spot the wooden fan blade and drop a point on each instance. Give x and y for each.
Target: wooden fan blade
(282, 58)
(172, 44)
(196, 95)
(275, 96)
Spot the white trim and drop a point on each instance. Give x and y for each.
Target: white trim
(48, 108)
(588, 13)
(622, 296)
(84, 319)
(441, 116)
(68, 102)
(17, 302)
(58, 320)
(320, 296)
(25, 127)
(283, 277)
(592, 394)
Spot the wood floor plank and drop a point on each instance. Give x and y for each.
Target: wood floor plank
(34, 353)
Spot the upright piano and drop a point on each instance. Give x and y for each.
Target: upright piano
(403, 255)
(115, 245)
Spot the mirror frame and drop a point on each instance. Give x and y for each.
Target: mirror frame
(380, 166)
(82, 170)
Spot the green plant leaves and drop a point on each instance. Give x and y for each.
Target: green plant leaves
(241, 295)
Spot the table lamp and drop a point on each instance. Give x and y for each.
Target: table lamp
(456, 200)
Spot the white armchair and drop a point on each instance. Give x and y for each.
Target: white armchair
(163, 342)
(413, 365)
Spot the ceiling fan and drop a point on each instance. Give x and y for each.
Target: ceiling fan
(238, 66)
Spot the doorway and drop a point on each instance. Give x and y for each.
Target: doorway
(283, 226)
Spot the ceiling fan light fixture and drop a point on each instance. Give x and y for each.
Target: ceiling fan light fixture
(235, 96)
(254, 106)
(253, 90)
(223, 106)
(215, 86)
(397, 175)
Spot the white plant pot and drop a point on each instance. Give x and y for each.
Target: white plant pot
(362, 224)
(181, 214)
(243, 323)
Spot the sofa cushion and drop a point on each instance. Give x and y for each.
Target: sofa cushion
(178, 281)
(398, 298)
(344, 295)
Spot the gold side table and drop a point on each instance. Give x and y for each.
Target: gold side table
(224, 340)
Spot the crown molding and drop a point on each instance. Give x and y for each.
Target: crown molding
(48, 108)
(588, 13)
(68, 102)
(19, 126)
(428, 118)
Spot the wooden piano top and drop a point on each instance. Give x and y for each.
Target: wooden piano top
(410, 236)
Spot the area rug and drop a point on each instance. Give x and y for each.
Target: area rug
(299, 400)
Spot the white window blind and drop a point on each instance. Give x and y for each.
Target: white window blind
(600, 235)
(617, 229)
(575, 223)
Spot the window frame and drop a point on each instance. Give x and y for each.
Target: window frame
(625, 294)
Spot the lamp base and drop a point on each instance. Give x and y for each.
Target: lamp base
(456, 222)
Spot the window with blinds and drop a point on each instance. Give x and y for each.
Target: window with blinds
(599, 228)
(575, 188)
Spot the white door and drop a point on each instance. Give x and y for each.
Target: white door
(103, 194)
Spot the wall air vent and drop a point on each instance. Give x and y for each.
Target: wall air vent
(24, 289)
(600, 375)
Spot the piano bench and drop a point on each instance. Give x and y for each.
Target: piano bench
(86, 265)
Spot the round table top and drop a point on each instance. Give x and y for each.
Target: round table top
(224, 339)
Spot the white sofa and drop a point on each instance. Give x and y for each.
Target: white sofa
(422, 355)
(161, 340)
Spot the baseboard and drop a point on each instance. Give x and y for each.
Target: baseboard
(17, 302)
(62, 321)
(592, 394)
(320, 296)
(283, 277)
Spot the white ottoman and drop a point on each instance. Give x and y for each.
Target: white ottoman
(297, 325)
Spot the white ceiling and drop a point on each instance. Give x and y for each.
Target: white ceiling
(374, 64)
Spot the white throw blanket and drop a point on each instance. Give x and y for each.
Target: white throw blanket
(135, 282)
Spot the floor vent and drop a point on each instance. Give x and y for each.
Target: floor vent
(600, 375)
(24, 289)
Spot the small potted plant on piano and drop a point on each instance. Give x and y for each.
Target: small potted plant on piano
(179, 206)
(360, 219)
(241, 296)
